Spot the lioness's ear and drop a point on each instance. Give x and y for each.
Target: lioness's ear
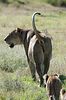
(18, 30)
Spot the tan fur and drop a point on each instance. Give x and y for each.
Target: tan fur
(53, 86)
(38, 53)
(63, 94)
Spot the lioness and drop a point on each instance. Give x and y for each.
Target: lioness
(63, 94)
(38, 48)
(53, 86)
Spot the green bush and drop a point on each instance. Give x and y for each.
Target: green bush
(63, 3)
(57, 2)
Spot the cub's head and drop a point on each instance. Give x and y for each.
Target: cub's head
(14, 38)
(46, 77)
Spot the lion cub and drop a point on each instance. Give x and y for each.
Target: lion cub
(53, 86)
(63, 94)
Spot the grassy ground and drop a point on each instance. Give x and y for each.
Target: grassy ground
(15, 79)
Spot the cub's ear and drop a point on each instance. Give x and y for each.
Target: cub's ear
(57, 75)
(45, 77)
(62, 91)
(18, 30)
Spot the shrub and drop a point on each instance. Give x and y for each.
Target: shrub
(57, 2)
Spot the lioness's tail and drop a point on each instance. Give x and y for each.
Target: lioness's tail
(33, 20)
(34, 26)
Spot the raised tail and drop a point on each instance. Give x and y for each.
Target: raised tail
(33, 21)
(34, 26)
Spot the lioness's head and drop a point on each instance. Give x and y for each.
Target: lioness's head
(14, 38)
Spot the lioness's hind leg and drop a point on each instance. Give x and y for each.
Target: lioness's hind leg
(38, 68)
(46, 65)
(33, 70)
